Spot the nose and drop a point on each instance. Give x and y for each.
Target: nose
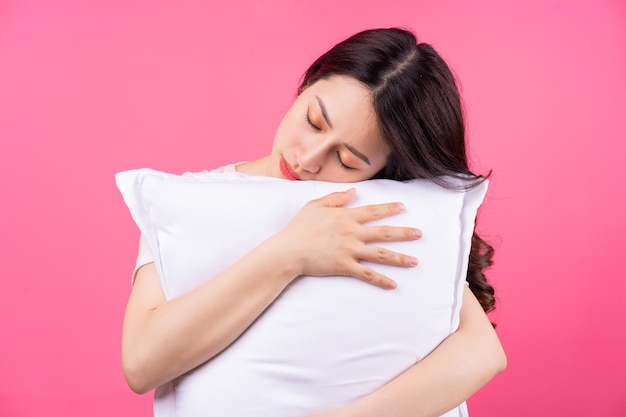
(310, 156)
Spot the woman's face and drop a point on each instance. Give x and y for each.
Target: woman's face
(329, 134)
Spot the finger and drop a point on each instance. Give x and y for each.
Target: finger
(384, 256)
(372, 277)
(389, 234)
(364, 214)
(337, 199)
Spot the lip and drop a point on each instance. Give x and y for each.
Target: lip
(285, 169)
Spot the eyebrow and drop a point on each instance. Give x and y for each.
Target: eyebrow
(324, 112)
(348, 147)
(357, 153)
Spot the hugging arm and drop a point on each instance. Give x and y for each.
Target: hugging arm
(162, 339)
(462, 364)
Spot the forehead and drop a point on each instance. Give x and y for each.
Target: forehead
(350, 110)
(344, 95)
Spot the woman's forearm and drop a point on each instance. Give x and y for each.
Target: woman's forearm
(163, 339)
(461, 365)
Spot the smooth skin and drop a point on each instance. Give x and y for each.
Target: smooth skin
(328, 134)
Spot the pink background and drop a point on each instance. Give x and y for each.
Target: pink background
(88, 89)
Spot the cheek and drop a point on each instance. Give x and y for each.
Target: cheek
(282, 136)
(369, 175)
(289, 129)
(338, 174)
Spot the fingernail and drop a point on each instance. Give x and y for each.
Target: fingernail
(400, 206)
(417, 233)
(413, 261)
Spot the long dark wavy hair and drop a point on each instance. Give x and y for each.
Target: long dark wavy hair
(420, 116)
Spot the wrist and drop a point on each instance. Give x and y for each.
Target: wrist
(281, 258)
(291, 251)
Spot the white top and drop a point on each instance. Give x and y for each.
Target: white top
(145, 256)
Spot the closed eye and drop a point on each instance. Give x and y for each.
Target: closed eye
(313, 125)
(341, 162)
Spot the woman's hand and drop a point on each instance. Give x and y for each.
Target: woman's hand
(325, 238)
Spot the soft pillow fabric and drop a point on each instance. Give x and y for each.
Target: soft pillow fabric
(326, 341)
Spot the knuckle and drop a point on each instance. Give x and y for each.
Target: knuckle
(380, 282)
(342, 266)
(382, 254)
(386, 232)
(369, 275)
(392, 208)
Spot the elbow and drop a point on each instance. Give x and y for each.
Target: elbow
(498, 357)
(136, 374)
(136, 384)
(501, 361)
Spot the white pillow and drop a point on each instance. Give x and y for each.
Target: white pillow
(325, 341)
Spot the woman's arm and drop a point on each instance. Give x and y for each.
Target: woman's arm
(462, 364)
(162, 339)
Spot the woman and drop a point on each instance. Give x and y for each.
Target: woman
(377, 105)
